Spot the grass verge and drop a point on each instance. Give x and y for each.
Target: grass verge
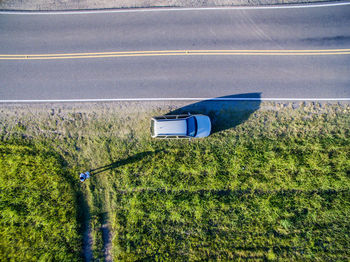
(274, 186)
(38, 207)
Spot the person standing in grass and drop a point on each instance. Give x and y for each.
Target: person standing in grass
(84, 176)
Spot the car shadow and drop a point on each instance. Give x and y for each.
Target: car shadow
(129, 160)
(225, 112)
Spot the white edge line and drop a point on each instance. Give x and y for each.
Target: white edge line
(160, 9)
(171, 99)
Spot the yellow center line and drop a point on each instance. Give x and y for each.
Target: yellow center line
(175, 53)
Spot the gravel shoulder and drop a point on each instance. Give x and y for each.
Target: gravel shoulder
(51, 5)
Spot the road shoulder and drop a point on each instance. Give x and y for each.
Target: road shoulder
(56, 5)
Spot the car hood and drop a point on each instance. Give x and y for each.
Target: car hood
(203, 126)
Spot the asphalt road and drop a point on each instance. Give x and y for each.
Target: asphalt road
(316, 75)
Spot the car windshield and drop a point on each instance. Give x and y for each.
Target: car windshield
(191, 126)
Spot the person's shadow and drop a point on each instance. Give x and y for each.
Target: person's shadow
(129, 160)
(225, 112)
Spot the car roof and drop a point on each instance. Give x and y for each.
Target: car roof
(170, 127)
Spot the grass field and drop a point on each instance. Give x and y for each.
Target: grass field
(38, 206)
(274, 185)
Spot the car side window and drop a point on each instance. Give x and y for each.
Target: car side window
(182, 116)
(159, 117)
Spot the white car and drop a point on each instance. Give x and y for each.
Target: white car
(180, 126)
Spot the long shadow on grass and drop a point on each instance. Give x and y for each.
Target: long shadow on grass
(129, 160)
(80, 203)
(225, 112)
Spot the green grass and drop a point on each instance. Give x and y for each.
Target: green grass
(38, 208)
(226, 224)
(275, 186)
(251, 199)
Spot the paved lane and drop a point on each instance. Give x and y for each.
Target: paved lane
(296, 76)
(208, 76)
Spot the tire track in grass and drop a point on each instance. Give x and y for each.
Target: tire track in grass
(87, 238)
(107, 245)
